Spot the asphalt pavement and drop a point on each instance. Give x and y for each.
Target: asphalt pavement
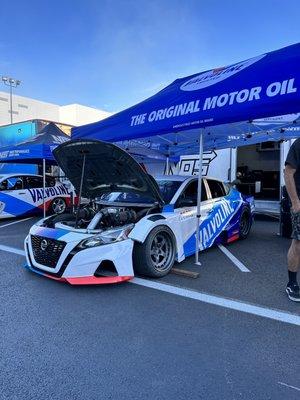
(128, 341)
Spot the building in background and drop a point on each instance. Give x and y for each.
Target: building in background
(30, 116)
(25, 108)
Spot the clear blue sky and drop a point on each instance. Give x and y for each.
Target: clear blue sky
(112, 54)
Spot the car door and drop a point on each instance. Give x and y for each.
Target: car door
(33, 185)
(13, 197)
(186, 207)
(222, 209)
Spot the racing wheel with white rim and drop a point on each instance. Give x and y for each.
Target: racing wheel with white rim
(155, 257)
(58, 206)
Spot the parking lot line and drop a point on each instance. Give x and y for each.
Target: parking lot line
(224, 302)
(15, 222)
(289, 386)
(235, 261)
(13, 250)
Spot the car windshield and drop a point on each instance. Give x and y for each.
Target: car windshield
(168, 188)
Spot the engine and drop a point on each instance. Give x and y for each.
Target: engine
(93, 217)
(105, 218)
(117, 217)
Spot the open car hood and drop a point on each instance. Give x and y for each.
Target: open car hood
(107, 169)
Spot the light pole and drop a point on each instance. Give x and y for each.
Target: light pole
(11, 82)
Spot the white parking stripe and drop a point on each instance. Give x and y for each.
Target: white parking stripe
(270, 313)
(15, 222)
(236, 305)
(235, 261)
(13, 250)
(289, 386)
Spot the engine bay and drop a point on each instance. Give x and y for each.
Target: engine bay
(95, 216)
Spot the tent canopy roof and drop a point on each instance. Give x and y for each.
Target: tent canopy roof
(36, 148)
(225, 101)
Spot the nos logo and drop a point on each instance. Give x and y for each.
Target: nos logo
(211, 77)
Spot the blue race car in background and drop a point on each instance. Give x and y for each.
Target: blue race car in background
(22, 195)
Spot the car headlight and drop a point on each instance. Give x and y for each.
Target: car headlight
(107, 237)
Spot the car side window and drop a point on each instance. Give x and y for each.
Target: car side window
(33, 182)
(4, 185)
(216, 188)
(50, 181)
(189, 195)
(14, 183)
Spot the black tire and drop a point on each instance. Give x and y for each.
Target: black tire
(58, 206)
(155, 257)
(245, 223)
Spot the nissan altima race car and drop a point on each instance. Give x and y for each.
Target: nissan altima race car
(22, 195)
(132, 223)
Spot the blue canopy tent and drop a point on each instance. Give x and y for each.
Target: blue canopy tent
(35, 150)
(214, 109)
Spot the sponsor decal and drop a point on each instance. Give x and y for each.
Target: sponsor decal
(214, 76)
(228, 99)
(217, 221)
(190, 165)
(59, 139)
(13, 153)
(184, 214)
(38, 195)
(279, 119)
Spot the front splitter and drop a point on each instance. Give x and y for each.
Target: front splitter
(84, 280)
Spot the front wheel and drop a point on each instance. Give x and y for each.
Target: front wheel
(58, 206)
(155, 257)
(245, 223)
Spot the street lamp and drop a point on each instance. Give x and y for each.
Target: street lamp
(11, 82)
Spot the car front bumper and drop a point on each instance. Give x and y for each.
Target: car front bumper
(80, 266)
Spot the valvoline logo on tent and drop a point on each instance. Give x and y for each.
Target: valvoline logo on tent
(214, 76)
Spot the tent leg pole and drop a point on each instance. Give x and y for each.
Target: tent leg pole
(44, 186)
(167, 166)
(197, 250)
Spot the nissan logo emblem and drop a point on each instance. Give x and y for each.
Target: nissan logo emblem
(44, 244)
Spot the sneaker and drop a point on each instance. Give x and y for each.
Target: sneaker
(293, 292)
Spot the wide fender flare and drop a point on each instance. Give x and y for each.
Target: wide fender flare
(142, 229)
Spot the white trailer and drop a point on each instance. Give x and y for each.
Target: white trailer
(259, 167)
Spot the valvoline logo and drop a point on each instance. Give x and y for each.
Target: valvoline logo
(214, 76)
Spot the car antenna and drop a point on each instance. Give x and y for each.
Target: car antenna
(84, 152)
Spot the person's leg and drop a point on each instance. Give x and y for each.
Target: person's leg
(292, 288)
(294, 256)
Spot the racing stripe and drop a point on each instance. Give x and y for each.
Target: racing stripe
(14, 205)
(50, 233)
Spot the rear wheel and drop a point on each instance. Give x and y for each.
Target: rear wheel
(58, 206)
(245, 223)
(155, 257)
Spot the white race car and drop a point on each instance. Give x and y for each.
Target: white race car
(133, 224)
(22, 195)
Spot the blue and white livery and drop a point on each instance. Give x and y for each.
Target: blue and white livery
(133, 223)
(23, 195)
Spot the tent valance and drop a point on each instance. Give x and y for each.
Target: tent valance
(218, 100)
